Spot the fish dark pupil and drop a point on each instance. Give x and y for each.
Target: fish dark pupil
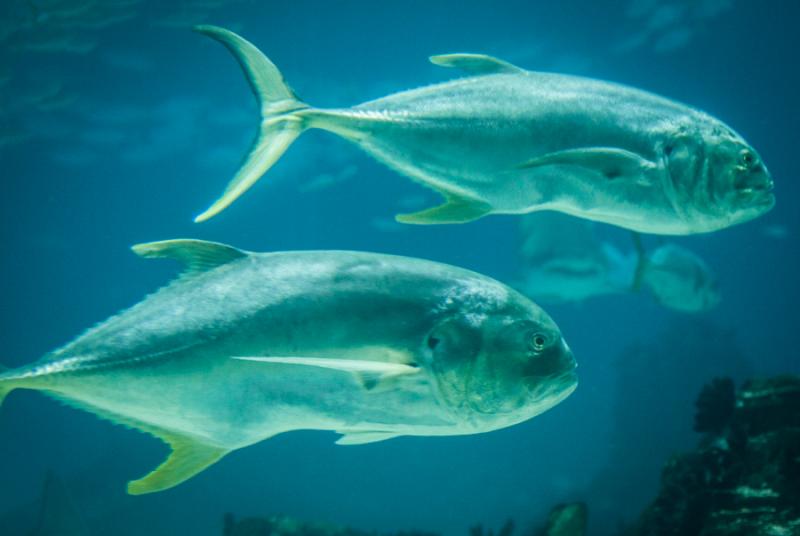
(433, 342)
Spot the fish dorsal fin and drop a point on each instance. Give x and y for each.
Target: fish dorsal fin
(369, 373)
(188, 457)
(196, 255)
(364, 437)
(475, 63)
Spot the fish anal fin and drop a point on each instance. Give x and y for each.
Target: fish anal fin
(4, 390)
(195, 255)
(362, 438)
(5, 386)
(611, 162)
(188, 458)
(475, 63)
(455, 209)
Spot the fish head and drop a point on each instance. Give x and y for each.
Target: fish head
(682, 281)
(719, 179)
(502, 364)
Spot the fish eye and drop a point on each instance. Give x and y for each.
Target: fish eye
(433, 342)
(747, 158)
(538, 342)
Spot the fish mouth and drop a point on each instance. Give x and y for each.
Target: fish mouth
(758, 193)
(555, 367)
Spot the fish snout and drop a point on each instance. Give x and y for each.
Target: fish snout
(754, 186)
(554, 362)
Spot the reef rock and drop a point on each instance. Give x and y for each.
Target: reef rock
(287, 526)
(566, 520)
(744, 478)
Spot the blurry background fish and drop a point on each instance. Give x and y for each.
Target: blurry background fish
(117, 123)
(564, 261)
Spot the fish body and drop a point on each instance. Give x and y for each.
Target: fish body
(564, 261)
(244, 346)
(578, 279)
(505, 140)
(680, 280)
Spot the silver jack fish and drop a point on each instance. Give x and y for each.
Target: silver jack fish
(244, 346)
(680, 280)
(564, 261)
(509, 141)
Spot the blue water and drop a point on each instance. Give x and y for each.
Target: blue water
(136, 136)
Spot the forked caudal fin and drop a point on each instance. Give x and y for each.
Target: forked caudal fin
(280, 123)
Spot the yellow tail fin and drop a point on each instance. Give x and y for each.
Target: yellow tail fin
(280, 123)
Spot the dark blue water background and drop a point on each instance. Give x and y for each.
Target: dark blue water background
(155, 122)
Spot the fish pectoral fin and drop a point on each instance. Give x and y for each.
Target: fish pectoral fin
(612, 163)
(196, 255)
(369, 373)
(475, 63)
(455, 209)
(362, 438)
(188, 458)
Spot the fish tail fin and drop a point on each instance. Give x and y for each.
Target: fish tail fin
(621, 272)
(280, 122)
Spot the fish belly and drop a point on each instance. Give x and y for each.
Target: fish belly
(234, 403)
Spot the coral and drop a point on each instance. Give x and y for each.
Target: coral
(744, 481)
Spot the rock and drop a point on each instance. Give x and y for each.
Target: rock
(287, 526)
(566, 520)
(744, 478)
(715, 406)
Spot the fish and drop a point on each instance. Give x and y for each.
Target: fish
(504, 140)
(243, 346)
(680, 280)
(564, 261)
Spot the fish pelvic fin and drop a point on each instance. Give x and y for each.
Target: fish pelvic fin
(362, 437)
(188, 458)
(455, 209)
(281, 123)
